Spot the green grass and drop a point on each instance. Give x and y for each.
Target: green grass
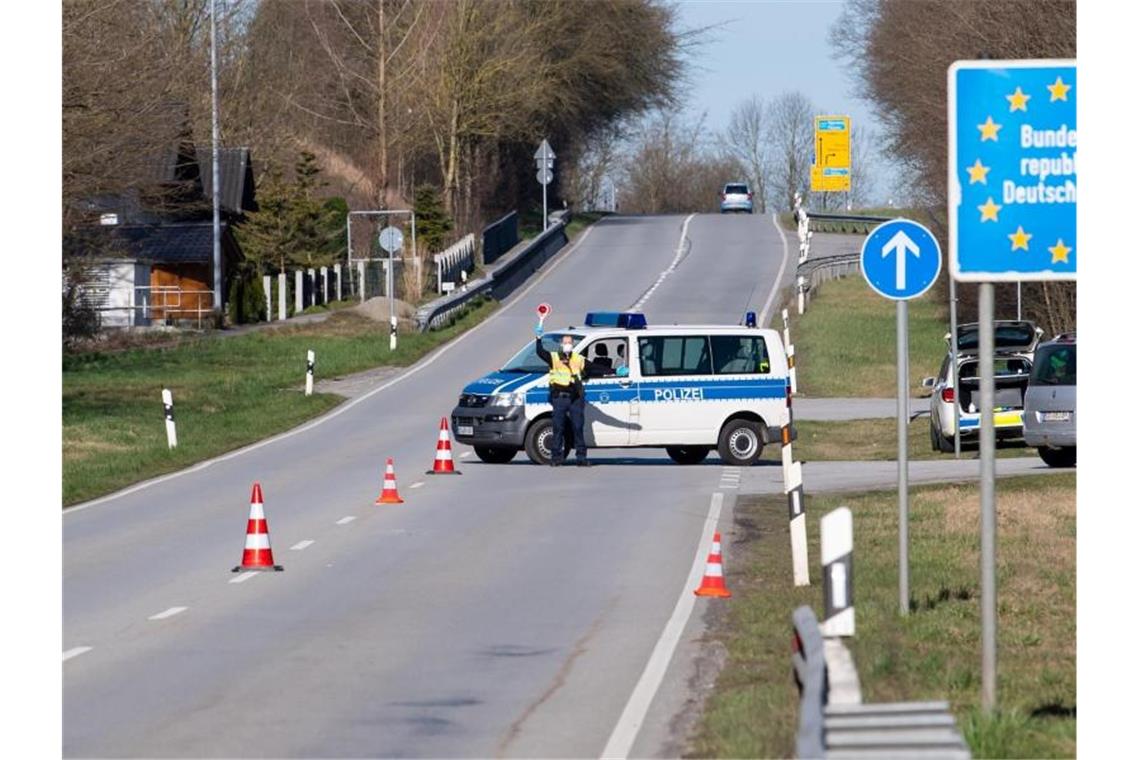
(934, 653)
(228, 392)
(876, 439)
(845, 341)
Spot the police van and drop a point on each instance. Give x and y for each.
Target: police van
(688, 389)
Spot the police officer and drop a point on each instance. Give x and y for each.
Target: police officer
(567, 396)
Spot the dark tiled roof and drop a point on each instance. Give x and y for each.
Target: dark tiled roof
(167, 243)
(236, 174)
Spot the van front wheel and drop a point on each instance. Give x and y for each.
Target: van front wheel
(740, 443)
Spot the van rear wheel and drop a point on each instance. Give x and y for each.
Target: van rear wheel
(1065, 456)
(740, 443)
(687, 454)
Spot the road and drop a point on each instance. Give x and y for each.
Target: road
(509, 611)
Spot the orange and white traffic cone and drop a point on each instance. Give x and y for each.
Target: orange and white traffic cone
(389, 495)
(713, 582)
(444, 464)
(257, 555)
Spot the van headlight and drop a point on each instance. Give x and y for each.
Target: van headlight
(509, 399)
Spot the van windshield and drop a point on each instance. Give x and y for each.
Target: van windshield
(527, 360)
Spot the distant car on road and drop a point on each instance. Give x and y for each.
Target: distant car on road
(1051, 402)
(736, 197)
(1014, 343)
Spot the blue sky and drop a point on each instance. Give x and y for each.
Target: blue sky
(765, 47)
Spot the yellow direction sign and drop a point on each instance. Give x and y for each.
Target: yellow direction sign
(831, 171)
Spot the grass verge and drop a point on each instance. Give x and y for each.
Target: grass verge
(228, 393)
(934, 653)
(845, 341)
(876, 439)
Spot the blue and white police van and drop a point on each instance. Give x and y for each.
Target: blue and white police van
(685, 388)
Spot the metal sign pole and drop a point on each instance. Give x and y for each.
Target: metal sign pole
(954, 365)
(903, 413)
(989, 513)
(544, 162)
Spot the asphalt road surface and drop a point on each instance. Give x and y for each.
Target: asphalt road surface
(507, 611)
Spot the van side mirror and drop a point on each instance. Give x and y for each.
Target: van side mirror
(928, 382)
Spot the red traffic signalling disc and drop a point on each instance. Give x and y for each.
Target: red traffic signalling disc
(543, 309)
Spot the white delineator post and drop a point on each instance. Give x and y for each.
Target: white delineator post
(324, 284)
(267, 286)
(797, 515)
(339, 288)
(792, 369)
(309, 373)
(312, 286)
(282, 279)
(168, 413)
(360, 273)
(392, 335)
(298, 292)
(800, 292)
(787, 331)
(836, 551)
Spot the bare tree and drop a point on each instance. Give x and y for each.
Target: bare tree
(792, 134)
(748, 140)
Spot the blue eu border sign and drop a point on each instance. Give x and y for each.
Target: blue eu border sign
(1013, 170)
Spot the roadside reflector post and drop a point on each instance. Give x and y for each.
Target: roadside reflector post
(787, 331)
(309, 361)
(800, 292)
(267, 286)
(168, 413)
(360, 271)
(392, 335)
(339, 284)
(836, 552)
(282, 280)
(797, 525)
(324, 285)
(792, 368)
(298, 292)
(312, 299)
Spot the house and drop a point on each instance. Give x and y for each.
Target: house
(150, 255)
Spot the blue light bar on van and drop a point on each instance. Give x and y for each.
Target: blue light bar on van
(630, 320)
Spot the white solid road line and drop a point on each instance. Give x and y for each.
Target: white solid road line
(243, 577)
(75, 652)
(668, 270)
(168, 613)
(423, 363)
(763, 321)
(633, 716)
(301, 545)
(345, 520)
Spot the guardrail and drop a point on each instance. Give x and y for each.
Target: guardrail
(810, 670)
(458, 258)
(812, 273)
(500, 280)
(843, 223)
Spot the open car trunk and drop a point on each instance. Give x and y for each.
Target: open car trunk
(1011, 378)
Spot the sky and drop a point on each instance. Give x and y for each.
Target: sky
(766, 47)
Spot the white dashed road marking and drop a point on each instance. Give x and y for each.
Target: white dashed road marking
(300, 545)
(345, 520)
(75, 652)
(417, 484)
(243, 577)
(168, 613)
(465, 454)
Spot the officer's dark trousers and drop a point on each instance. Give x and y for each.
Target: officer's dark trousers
(576, 411)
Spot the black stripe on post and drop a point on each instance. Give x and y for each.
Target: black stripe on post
(830, 610)
(168, 411)
(795, 502)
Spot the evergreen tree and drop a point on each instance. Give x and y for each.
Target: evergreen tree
(432, 221)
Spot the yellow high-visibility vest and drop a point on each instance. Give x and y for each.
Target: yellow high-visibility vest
(563, 374)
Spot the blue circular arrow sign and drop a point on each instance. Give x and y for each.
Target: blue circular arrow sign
(901, 259)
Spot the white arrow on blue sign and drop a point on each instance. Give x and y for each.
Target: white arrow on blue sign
(901, 259)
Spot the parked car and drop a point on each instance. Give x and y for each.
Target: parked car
(736, 197)
(1051, 402)
(1014, 343)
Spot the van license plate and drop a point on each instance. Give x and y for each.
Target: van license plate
(465, 430)
(1056, 416)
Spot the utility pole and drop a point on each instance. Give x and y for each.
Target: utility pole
(217, 190)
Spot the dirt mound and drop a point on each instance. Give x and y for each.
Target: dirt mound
(377, 309)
